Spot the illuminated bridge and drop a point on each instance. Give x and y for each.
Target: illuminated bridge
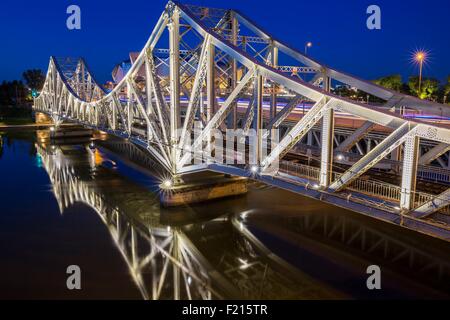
(204, 71)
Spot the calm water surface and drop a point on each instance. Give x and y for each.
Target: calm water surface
(94, 206)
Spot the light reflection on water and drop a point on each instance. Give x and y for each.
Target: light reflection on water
(269, 244)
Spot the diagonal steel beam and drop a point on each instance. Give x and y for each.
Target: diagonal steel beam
(160, 103)
(373, 157)
(118, 106)
(297, 132)
(434, 153)
(196, 92)
(219, 116)
(248, 117)
(140, 103)
(430, 207)
(284, 113)
(357, 135)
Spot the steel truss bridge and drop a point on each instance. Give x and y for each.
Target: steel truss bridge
(218, 68)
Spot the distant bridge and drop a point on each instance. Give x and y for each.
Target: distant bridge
(221, 70)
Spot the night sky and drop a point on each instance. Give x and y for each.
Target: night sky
(34, 30)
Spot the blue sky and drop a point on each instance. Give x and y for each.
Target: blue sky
(34, 30)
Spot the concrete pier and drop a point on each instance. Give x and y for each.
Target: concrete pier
(203, 189)
(74, 132)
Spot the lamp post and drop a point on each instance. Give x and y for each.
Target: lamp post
(420, 58)
(307, 45)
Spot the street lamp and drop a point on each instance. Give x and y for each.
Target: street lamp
(307, 45)
(420, 58)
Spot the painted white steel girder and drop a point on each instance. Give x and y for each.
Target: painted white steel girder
(385, 147)
(430, 207)
(434, 153)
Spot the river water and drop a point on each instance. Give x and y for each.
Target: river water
(96, 206)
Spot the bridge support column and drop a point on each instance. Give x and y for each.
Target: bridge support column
(210, 91)
(203, 188)
(309, 138)
(148, 85)
(410, 160)
(114, 116)
(258, 121)
(273, 97)
(174, 56)
(210, 85)
(129, 109)
(326, 162)
(97, 116)
(232, 118)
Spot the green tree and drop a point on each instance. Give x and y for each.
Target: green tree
(446, 91)
(13, 93)
(393, 82)
(428, 89)
(34, 78)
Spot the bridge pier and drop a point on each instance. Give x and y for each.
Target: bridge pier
(58, 132)
(200, 189)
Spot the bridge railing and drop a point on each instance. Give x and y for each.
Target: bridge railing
(433, 174)
(300, 170)
(379, 189)
(424, 172)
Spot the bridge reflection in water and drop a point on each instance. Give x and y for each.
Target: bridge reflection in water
(162, 260)
(232, 255)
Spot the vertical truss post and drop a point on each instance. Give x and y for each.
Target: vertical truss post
(82, 85)
(396, 155)
(232, 119)
(174, 49)
(96, 115)
(410, 160)
(326, 81)
(129, 108)
(148, 84)
(210, 90)
(258, 116)
(55, 89)
(326, 160)
(211, 93)
(273, 97)
(326, 163)
(114, 116)
(309, 139)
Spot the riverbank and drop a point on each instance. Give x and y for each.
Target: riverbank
(25, 126)
(15, 116)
